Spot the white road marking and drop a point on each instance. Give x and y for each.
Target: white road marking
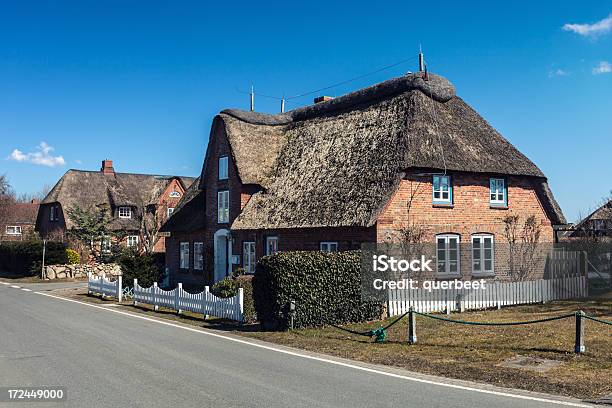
(5, 283)
(26, 289)
(15, 286)
(325, 360)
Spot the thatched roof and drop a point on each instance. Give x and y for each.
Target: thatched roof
(602, 213)
(14, 213)
(87, 189)
(336, 163)
(190, 213)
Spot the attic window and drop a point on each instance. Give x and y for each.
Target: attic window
(175, 194)
(223, 206)
(223, 168)
(125, 212)
(54, 213)
(442, 190)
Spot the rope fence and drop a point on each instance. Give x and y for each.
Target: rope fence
(380, 334)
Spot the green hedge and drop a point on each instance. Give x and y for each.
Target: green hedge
(144, 267)
(325, 287)
(25, 257)
(228, 287)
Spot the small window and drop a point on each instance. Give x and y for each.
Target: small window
(174, 194)
(223, 206)
(184, 255)
(105, 245)
(271, 245)
(198, 255)
(329, 246)
(169, 211)
(447, 250)
(223, 161)
(482, 254)
(498, 194)
(442, 190)
(54, 213)
(125, 212)
(248, 256)
(132, 240)
(13, 230)
(599, 225)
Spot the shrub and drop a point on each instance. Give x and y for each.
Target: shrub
(228, 287)
(326, 289)
(25, 258)
(73, 256)
(143, 267)
(225, 288)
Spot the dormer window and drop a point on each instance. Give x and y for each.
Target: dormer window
(442, 190)
(54, 213)
(223, 161)
(125, 212)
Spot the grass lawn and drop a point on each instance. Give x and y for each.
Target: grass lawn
(458, 351)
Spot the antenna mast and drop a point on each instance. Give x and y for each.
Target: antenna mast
(252, 99)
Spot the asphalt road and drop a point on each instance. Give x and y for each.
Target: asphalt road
(109, 359)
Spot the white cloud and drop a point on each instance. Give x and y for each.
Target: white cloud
(42, 156)
(77, 161)
(557, 72)
(603, 67)
(591, 30)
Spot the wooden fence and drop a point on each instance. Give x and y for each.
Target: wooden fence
(180, 300)
(104, 286)
(496, 295)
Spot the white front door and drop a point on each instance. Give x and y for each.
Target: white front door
(222, 256)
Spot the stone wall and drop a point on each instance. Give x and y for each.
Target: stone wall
(81, 270)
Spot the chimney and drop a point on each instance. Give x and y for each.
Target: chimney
(324, 98)
(107, 167)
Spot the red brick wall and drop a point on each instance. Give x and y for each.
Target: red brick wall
(470, 213)
(165, 202)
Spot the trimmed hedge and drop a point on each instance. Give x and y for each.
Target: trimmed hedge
(25, 257)
(325, 287)
(229, 286)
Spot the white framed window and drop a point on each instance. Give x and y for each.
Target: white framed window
(13, 230)
(442, 190)
(132, 240)
(223, 206)
(329, 246)
(198, 255)
(54, 213)
(498, 194)
(174, 194)
(105, 245)
(447, 251)
(599, 225)
(483, 254)
(169, 211)
(248, 256)
(184, 255)
(271, 245)
(125, 212)
(223, 165)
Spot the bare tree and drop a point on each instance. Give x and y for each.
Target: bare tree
(522, 244)
(151, 219)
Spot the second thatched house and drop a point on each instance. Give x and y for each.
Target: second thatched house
(356, 169)
(137, 204)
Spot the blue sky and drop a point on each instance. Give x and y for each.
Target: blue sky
(139, 82)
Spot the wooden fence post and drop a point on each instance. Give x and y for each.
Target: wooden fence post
(134, 291)
(241, 302)
(579, 344)
(412, 338)
(102, 285)
(204, 302)
(177, 295)
(119, 288)
(154, 291)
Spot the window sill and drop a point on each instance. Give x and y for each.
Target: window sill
(498, 206)
(443, 205)
(448, 276)
(483, 274)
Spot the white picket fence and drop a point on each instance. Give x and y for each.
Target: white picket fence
(496, 295)
(104, 286)
(180, 300)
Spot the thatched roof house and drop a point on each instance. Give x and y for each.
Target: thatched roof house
(336, 163)
(333, 175)
(90, 189)
(598, 223)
